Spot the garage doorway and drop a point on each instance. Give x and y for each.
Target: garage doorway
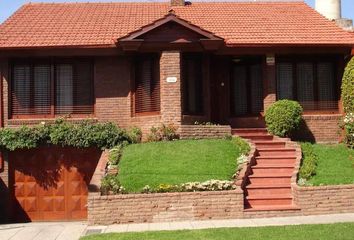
(51, 183)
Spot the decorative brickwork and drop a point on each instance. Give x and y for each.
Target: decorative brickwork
(204, 131)
(164, 207)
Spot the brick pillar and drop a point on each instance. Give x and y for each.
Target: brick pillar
(170, 67)
(270, 84)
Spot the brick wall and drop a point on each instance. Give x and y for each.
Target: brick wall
(320, 128)
(204, 131)
(164, 207)
(170, 92)
(325, 199)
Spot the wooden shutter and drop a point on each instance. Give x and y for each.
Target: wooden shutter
(74, 89)
(326, 86)
(147, 85)
(285, 84)
(239, 91)
(256, 90)
(30, 89)
(192, 84)
(305, 85)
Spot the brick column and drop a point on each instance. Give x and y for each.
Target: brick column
(269, 84)
(170, 67)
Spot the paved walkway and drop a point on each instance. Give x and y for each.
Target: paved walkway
(73, 230)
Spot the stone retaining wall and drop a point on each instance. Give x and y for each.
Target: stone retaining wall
(204, 131)
(164, 207)
(324, 199)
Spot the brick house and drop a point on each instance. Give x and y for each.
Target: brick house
(142, 64)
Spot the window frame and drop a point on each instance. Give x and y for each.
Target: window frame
(315, 61)
(155, 58)
(52, 62)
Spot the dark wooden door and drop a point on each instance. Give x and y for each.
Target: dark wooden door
(51, 183)
(246, 93)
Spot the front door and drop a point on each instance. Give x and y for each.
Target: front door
(246, 92)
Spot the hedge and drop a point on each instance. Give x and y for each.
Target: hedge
(81, 135)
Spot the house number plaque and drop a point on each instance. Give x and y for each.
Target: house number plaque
(171, 79)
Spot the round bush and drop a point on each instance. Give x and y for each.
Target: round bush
(348, 87)
(283, 117)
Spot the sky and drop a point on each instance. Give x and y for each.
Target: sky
(7, 7)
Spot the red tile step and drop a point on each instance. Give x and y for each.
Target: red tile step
(269, 199)
(275, 152)
(277, 164)
(257, 137)
(261, 189)
(269, 144)
(269, 179)
(249, 131)
(276, 160)
(290, 207)
(273, 171)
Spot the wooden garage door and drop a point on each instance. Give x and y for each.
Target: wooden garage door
(51, 183)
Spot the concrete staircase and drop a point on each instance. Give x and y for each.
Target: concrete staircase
(268, 185)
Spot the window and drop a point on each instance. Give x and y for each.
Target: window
(311, 83)
(247, 88)
(147, 85)
(192, 84)
(43, 89)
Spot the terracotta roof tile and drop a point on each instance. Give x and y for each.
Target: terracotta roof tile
(100, 24)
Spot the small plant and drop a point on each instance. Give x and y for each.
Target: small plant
(309, 161)
(135, 135)
(163, 133)
(283, 117)
(111, 184)
(348, 126)
(115, 155)
(163, 188)
(242, 145)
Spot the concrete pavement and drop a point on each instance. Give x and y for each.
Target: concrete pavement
(73, 230)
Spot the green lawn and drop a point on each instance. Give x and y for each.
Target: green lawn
(340, 231)
(176, 162)
(335, 165)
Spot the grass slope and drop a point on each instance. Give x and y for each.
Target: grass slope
(343, 231)
(176, 162)
(335, 165)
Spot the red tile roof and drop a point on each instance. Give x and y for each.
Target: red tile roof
(101, 24)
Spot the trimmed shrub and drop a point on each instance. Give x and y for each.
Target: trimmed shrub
(309, 161)
(135, 134)
(283, 117)
(348, 103)
(348, 88)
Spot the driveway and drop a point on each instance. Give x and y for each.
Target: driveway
(43, 231)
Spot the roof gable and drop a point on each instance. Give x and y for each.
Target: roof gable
(170, 29)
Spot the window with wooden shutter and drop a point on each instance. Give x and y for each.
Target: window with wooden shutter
(192, 77)
(147, 85)
(310, 82)
(46, 88)
(31, 89)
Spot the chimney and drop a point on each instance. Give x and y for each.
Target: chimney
(177, 3)
(332, 9)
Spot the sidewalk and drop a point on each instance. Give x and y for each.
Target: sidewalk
(73, 230)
